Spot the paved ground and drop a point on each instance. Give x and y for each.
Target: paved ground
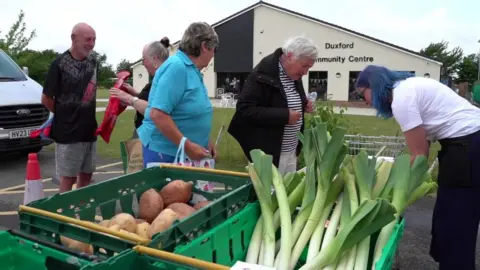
(414, 246)
(13, 180)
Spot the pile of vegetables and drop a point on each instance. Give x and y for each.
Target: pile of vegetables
(342, 200)
(158, 210)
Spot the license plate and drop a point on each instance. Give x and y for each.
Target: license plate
(20, 133)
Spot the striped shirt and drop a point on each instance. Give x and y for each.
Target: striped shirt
(290, 139)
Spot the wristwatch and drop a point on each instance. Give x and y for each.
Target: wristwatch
(132, 101)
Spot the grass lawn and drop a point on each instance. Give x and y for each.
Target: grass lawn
(102, 93)
(230, 155)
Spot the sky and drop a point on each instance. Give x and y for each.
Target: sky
(124, 27)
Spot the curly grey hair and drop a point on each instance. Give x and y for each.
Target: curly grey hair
(195, 34)
(157, 48)
(301, 47)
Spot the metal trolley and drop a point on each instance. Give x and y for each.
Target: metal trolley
(395, 145)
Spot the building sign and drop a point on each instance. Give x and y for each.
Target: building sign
(341, 46)
(342, 59)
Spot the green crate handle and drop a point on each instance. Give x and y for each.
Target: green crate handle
(204, 170)
(179, 258)
(85, 224)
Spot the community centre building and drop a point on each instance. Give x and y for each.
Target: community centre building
(251, 34)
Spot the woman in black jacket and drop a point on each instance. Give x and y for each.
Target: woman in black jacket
(153, 56)
(271, 106)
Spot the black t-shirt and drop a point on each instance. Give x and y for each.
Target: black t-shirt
(73, 85)
(144, 96)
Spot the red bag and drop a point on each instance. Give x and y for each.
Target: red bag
(114, 108)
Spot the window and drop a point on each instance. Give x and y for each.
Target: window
(9, 70)
(318, 82)
(231, 82)
(352, 78)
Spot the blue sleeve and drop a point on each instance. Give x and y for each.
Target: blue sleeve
(169, 86)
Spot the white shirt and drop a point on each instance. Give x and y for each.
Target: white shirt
(428, 103)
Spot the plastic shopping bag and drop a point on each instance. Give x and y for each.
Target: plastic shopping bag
(44, 130)
(182, 160)
(114, 108)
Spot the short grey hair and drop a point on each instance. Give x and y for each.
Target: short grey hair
(301, 47)
(156, 48)
(194, 35)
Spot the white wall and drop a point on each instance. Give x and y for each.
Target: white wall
(272, 27)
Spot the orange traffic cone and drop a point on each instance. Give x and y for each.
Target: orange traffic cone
(33, 181)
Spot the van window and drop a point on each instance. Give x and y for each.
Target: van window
(9, 70)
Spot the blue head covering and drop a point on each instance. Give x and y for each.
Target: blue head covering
(380, 80)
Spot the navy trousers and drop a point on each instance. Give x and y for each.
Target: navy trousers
(456, 215)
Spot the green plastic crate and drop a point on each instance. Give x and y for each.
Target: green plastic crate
(22, 252)
(131, 260)
(228, 242)
(146, 260)
(122, 193)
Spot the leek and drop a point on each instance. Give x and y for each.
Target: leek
(261, 174)
(408, 184)
(286, 221)
(370, 216)
(316, 240)
(330, 154)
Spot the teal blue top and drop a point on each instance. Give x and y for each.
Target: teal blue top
(178, 90)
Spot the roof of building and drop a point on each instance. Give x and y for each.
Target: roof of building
(334, 26)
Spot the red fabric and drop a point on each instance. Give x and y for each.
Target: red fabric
(43, 131)
(114, 108)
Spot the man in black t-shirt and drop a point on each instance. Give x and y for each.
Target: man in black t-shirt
(70, 93)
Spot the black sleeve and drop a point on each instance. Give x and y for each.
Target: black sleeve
(249, 101)
(52, 82)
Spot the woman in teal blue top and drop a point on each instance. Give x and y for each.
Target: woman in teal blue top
(178, 104)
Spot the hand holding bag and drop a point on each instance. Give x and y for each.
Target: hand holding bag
(182, 160)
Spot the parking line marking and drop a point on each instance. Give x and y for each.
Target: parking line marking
(8, 213)
(50, 179)
(23, 191)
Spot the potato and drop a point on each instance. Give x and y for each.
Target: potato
(104, 223)
(201, 204)
(125, 222)
(142, 229)
(162, 222)
(138, 221)
(182, 210)
(150, 205)
(176, 191)
(76, 245)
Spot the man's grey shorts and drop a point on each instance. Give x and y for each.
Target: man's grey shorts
(74, 158)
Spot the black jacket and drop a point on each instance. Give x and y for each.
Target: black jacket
(262, 109)
(143, 95)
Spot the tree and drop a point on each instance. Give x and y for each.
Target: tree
(16, 40)
(105, 70)
(449, 58)
(38, 62)
(468, 69)
(124, 65)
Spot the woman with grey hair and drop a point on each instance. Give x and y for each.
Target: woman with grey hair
(179, 111)
(153, 56)
(271, 106)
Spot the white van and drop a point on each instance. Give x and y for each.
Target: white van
(21, 110)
